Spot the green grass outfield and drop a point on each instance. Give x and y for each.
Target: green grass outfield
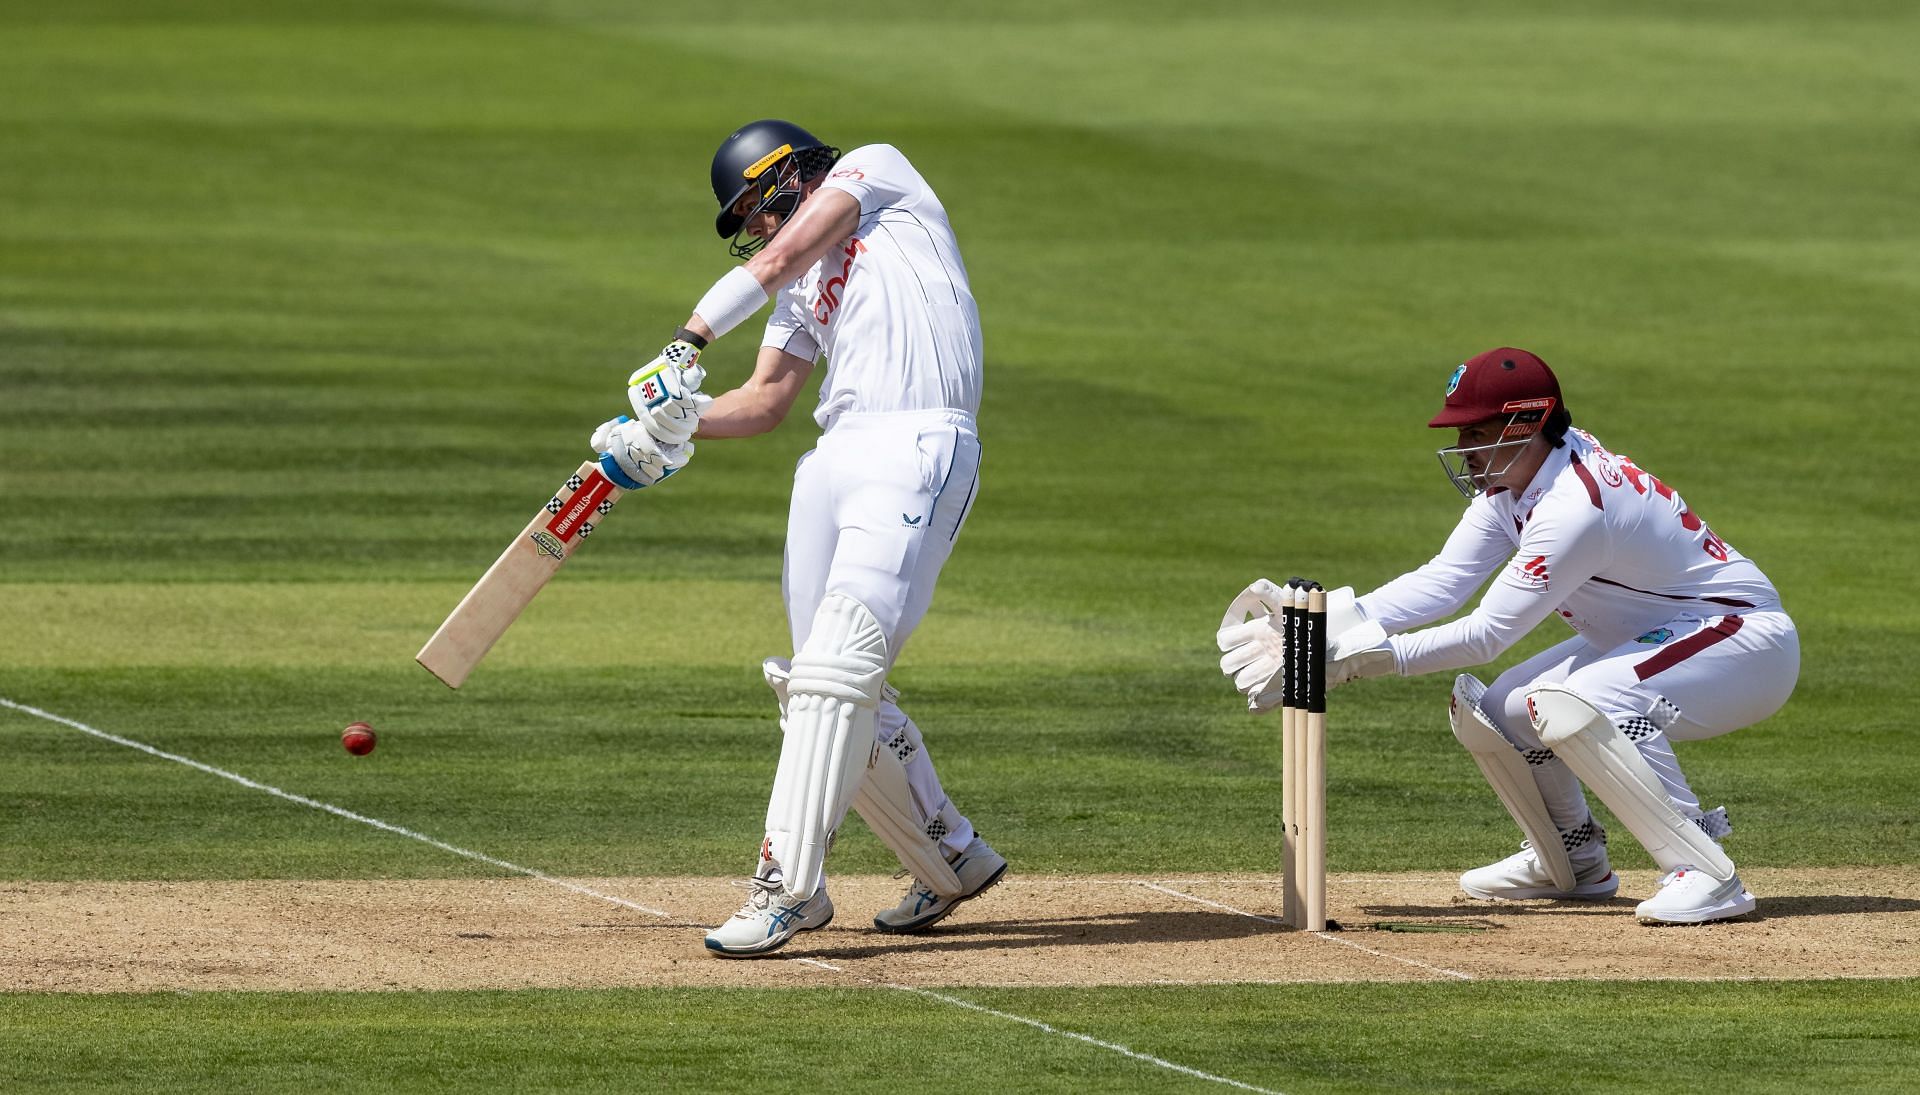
(304, 307)
(1846, 1036)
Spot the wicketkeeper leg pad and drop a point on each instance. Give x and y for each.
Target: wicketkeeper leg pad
(1506, 767)
(1612, 768)
(833, 700)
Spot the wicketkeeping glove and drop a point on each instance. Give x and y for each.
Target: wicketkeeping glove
(1360, 651)
(634, 458)
(665, 393)
(1252, 650)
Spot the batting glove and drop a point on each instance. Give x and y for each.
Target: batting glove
(634, 458)
(665, 393)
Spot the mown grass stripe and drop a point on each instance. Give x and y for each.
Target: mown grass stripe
(337, 811)
(1077, 1036)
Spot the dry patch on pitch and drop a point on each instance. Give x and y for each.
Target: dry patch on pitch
(1038, 931)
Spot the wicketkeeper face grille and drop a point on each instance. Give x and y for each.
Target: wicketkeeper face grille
(1488, 450)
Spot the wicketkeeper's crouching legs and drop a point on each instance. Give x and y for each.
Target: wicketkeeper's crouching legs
(1565, 852)
(1701, 884)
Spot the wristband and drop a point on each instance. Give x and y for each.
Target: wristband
(681, 334)
(731, 302)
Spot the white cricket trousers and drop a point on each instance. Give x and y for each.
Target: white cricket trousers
(877, 507)
(1695, 677)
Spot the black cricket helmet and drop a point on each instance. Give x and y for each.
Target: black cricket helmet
(767, 159)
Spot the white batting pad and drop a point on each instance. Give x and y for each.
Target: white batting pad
(1596, 751)
(885, 801)
(1506, 769)
(833, 700)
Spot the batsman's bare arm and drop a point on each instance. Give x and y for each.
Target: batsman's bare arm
(823, 220)
(762, 402)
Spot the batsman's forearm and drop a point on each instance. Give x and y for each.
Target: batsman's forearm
(762, 402)
(742, 412)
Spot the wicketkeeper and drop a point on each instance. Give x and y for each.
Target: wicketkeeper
(857, 256)
(1677, 637)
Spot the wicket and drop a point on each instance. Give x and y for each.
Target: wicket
(1303, 798)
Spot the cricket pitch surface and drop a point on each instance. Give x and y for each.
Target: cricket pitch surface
(1031, 930)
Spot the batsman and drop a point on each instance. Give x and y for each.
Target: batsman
(1677, 637)
(858, 259)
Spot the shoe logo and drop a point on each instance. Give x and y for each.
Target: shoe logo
(780, 917)
(911, 522)
(1655, 637)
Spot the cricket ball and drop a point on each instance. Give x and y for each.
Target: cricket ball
(358, 739)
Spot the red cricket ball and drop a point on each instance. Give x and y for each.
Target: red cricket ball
(358, 739)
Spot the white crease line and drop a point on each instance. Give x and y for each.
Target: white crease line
(1090, 1040)
(1241, 877)
(576, 888)
(1328, 936)
(1331, 938)
(1204, 901)
(340, 812)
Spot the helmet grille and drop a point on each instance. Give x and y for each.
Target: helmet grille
(814, 162)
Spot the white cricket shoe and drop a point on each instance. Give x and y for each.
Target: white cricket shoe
(1521, 876)
(1688, 896)
(770, 917)
(978, 866)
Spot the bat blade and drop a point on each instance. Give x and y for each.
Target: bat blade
(510, 584)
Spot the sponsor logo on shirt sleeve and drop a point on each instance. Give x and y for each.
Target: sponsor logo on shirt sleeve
(1531, 573)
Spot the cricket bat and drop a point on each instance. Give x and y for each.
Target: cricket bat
(508, 586)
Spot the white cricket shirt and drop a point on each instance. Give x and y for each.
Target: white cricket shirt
(890, 308)
(1610, 549)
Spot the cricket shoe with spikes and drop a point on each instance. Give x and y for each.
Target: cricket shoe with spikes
(978, 867)
(1522, 875)
(770, 917)
(1688, 896)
